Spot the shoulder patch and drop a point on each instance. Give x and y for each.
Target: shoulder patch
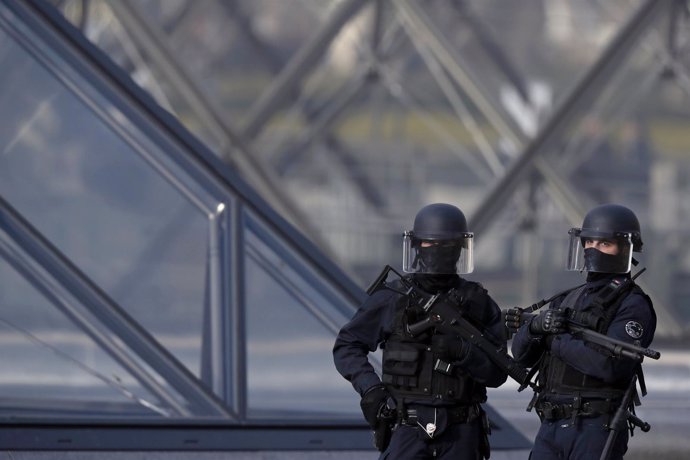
(634, 329)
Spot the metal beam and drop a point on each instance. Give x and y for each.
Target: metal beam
(491, 48)
(267, 54)
(318, 127)
(420, 25)
(424, 29)
(321, 122)
(305, 59)
(235, 150)
(585, 94)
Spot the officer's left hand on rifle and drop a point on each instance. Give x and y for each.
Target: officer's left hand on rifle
(552, 321)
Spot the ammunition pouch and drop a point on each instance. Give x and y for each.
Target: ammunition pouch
(401, 364)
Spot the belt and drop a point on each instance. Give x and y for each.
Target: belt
(551, 411)
(455, 414)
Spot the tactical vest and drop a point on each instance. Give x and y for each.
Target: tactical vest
(556, 376)
(410, 372)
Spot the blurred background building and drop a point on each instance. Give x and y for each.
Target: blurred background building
(195, 194)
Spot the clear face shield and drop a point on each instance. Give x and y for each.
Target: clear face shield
(599, 252)
(438, 257)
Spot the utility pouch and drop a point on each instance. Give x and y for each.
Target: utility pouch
(401, 362)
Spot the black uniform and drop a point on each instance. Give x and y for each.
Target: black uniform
(581, 386)
(439, 414)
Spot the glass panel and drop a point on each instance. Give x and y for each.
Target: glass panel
(81, 181)
(290, 331)
(51, 365)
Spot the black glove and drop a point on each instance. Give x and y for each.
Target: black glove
(513, 319)
(372, 402)
(449, 347)
(551, 321)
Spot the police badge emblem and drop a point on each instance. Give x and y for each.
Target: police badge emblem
(634, 329)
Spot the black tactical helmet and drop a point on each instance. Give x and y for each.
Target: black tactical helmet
(611, 221)
(439, 242)
(439, 221)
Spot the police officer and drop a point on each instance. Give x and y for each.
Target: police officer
(437, 409)
(580, 386)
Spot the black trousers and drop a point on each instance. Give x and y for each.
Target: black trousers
(459, 441)
(583, 439)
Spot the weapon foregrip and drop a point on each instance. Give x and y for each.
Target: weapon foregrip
(648, 352)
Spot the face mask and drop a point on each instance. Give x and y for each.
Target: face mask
(439, 259)
(597, 261)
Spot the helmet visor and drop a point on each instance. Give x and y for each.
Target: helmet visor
(592, 259)
(438, 256)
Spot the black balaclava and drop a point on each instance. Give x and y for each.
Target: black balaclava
(598, 261)
(439, 259)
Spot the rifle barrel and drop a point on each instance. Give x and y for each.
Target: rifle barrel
(618, 347)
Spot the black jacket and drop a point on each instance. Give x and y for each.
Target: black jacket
(373, 323)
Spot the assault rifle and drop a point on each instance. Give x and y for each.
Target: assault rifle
(583, 324)
(624, 417)
(443, 314)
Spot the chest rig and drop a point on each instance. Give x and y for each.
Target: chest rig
(555, 375)
(413, 372)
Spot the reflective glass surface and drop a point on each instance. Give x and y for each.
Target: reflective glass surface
(99, 200)
(290, 330)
